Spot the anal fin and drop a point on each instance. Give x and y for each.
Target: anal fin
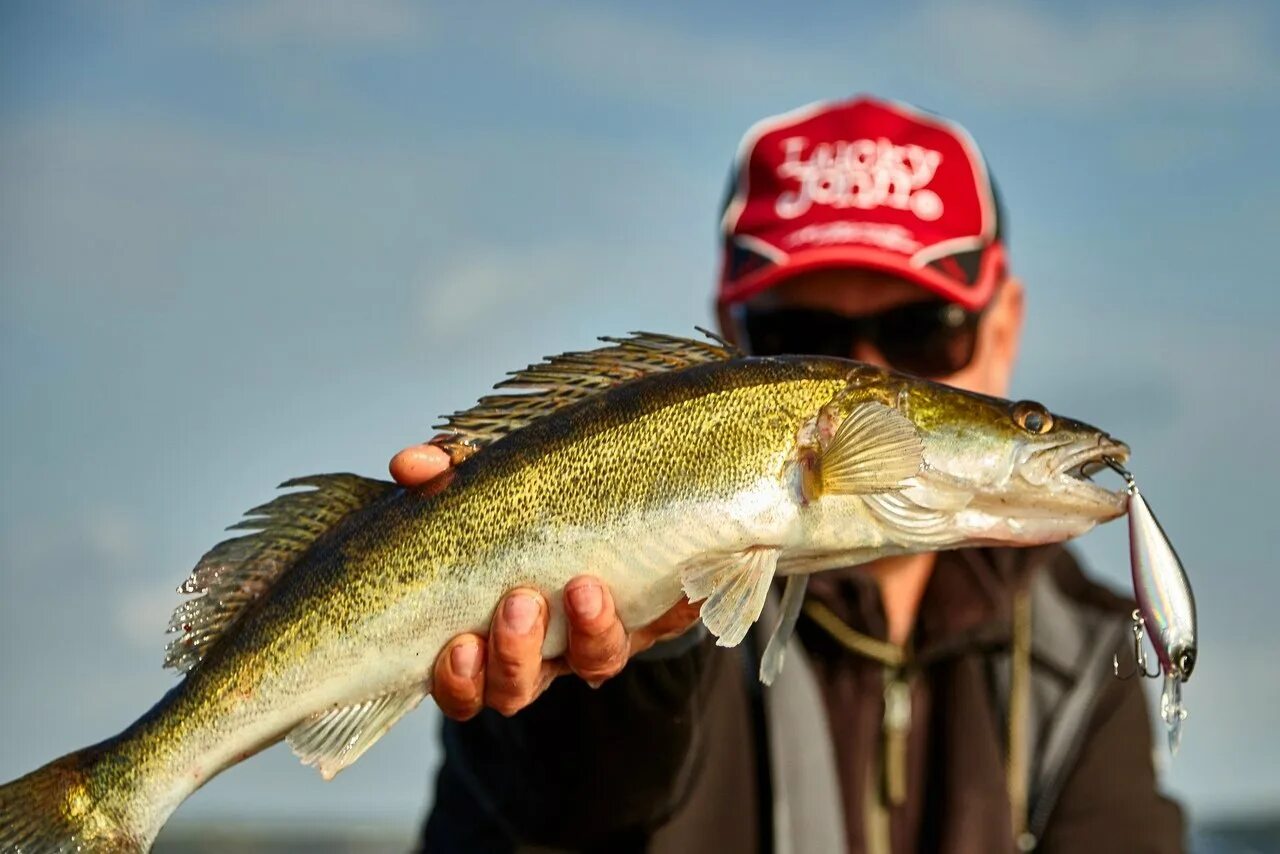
(775, 651)
(332, 740)
(732, 588)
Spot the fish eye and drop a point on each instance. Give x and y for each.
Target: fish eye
(1032, 417)
(1187, 662)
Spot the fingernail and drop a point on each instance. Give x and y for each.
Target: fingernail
(595, 683)
(520, 612)
(587, 600)
(465, 659)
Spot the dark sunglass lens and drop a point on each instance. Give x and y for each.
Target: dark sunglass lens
(774, 332)
(931, 339)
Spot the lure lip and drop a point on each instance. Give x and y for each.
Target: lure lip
(1184, 661)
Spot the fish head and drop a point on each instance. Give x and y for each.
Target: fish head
(994, 472)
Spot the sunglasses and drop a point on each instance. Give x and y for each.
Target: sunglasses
(932, 339)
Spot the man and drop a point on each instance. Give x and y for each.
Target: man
(953, 702)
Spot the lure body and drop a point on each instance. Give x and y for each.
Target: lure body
(1166, 607)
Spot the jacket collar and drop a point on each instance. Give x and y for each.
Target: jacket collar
(967, 604)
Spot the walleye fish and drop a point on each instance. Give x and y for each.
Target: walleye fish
(666, 466)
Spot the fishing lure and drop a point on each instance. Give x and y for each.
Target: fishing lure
(1166, 608)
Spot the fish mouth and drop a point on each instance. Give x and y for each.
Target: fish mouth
(1086, 462)
(1079, 467)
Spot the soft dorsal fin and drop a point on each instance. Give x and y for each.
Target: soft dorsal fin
(559, 381)
(236, 572)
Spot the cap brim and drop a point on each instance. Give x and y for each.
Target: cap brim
(970, 296)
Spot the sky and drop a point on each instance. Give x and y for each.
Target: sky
(246, 241)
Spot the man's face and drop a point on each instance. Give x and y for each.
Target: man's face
(856, 293)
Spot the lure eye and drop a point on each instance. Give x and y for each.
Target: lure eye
(1032, 417)
(1187, 663)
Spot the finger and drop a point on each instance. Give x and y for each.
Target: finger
(514, 666)
(598, 646)
(457, 682)
(418, 464)
(670, 625)
(551, 670)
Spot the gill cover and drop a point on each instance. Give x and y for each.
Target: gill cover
(875, 450)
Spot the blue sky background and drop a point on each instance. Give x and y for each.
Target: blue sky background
(254, 240)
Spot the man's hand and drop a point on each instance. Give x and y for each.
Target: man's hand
(506, 671)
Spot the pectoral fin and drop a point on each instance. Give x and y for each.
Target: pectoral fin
(776, 650)
(732, 588)
(875, 449)
(333, 740)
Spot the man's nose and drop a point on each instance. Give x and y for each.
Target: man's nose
(865, 351)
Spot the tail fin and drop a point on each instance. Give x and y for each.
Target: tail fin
(58, 808)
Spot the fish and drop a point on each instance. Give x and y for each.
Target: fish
(668, 467)
(1166, 610)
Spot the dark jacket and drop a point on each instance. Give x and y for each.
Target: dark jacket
(684, 751)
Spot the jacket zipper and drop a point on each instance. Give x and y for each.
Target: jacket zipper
(896, 729)
(888, 787)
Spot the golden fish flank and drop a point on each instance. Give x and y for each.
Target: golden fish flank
(666, 466)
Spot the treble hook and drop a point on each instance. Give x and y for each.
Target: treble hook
(1139, 653)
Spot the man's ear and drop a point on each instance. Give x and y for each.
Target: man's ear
(1002, 333)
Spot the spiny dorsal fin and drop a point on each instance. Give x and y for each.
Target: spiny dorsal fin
(559, 381)
(235, 572)
(332, 740)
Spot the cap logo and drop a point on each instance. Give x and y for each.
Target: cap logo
(885, 235)
(862, 173)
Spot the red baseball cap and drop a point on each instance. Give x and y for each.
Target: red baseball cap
(862, 183)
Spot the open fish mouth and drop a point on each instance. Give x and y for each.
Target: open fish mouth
(1083, 464)
(1086, 462)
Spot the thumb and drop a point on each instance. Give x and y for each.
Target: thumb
(418, 464)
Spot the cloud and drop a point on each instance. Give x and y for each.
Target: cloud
(140, 617)
(102, 539)
(327, 23)
(483, 286)
(1007, 49)
(1164, 146)
(622, 54)
(89, 205)
(1001, 51)
(113, 535)
(498, 287)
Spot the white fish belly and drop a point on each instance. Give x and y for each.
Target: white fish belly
(639, 560)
